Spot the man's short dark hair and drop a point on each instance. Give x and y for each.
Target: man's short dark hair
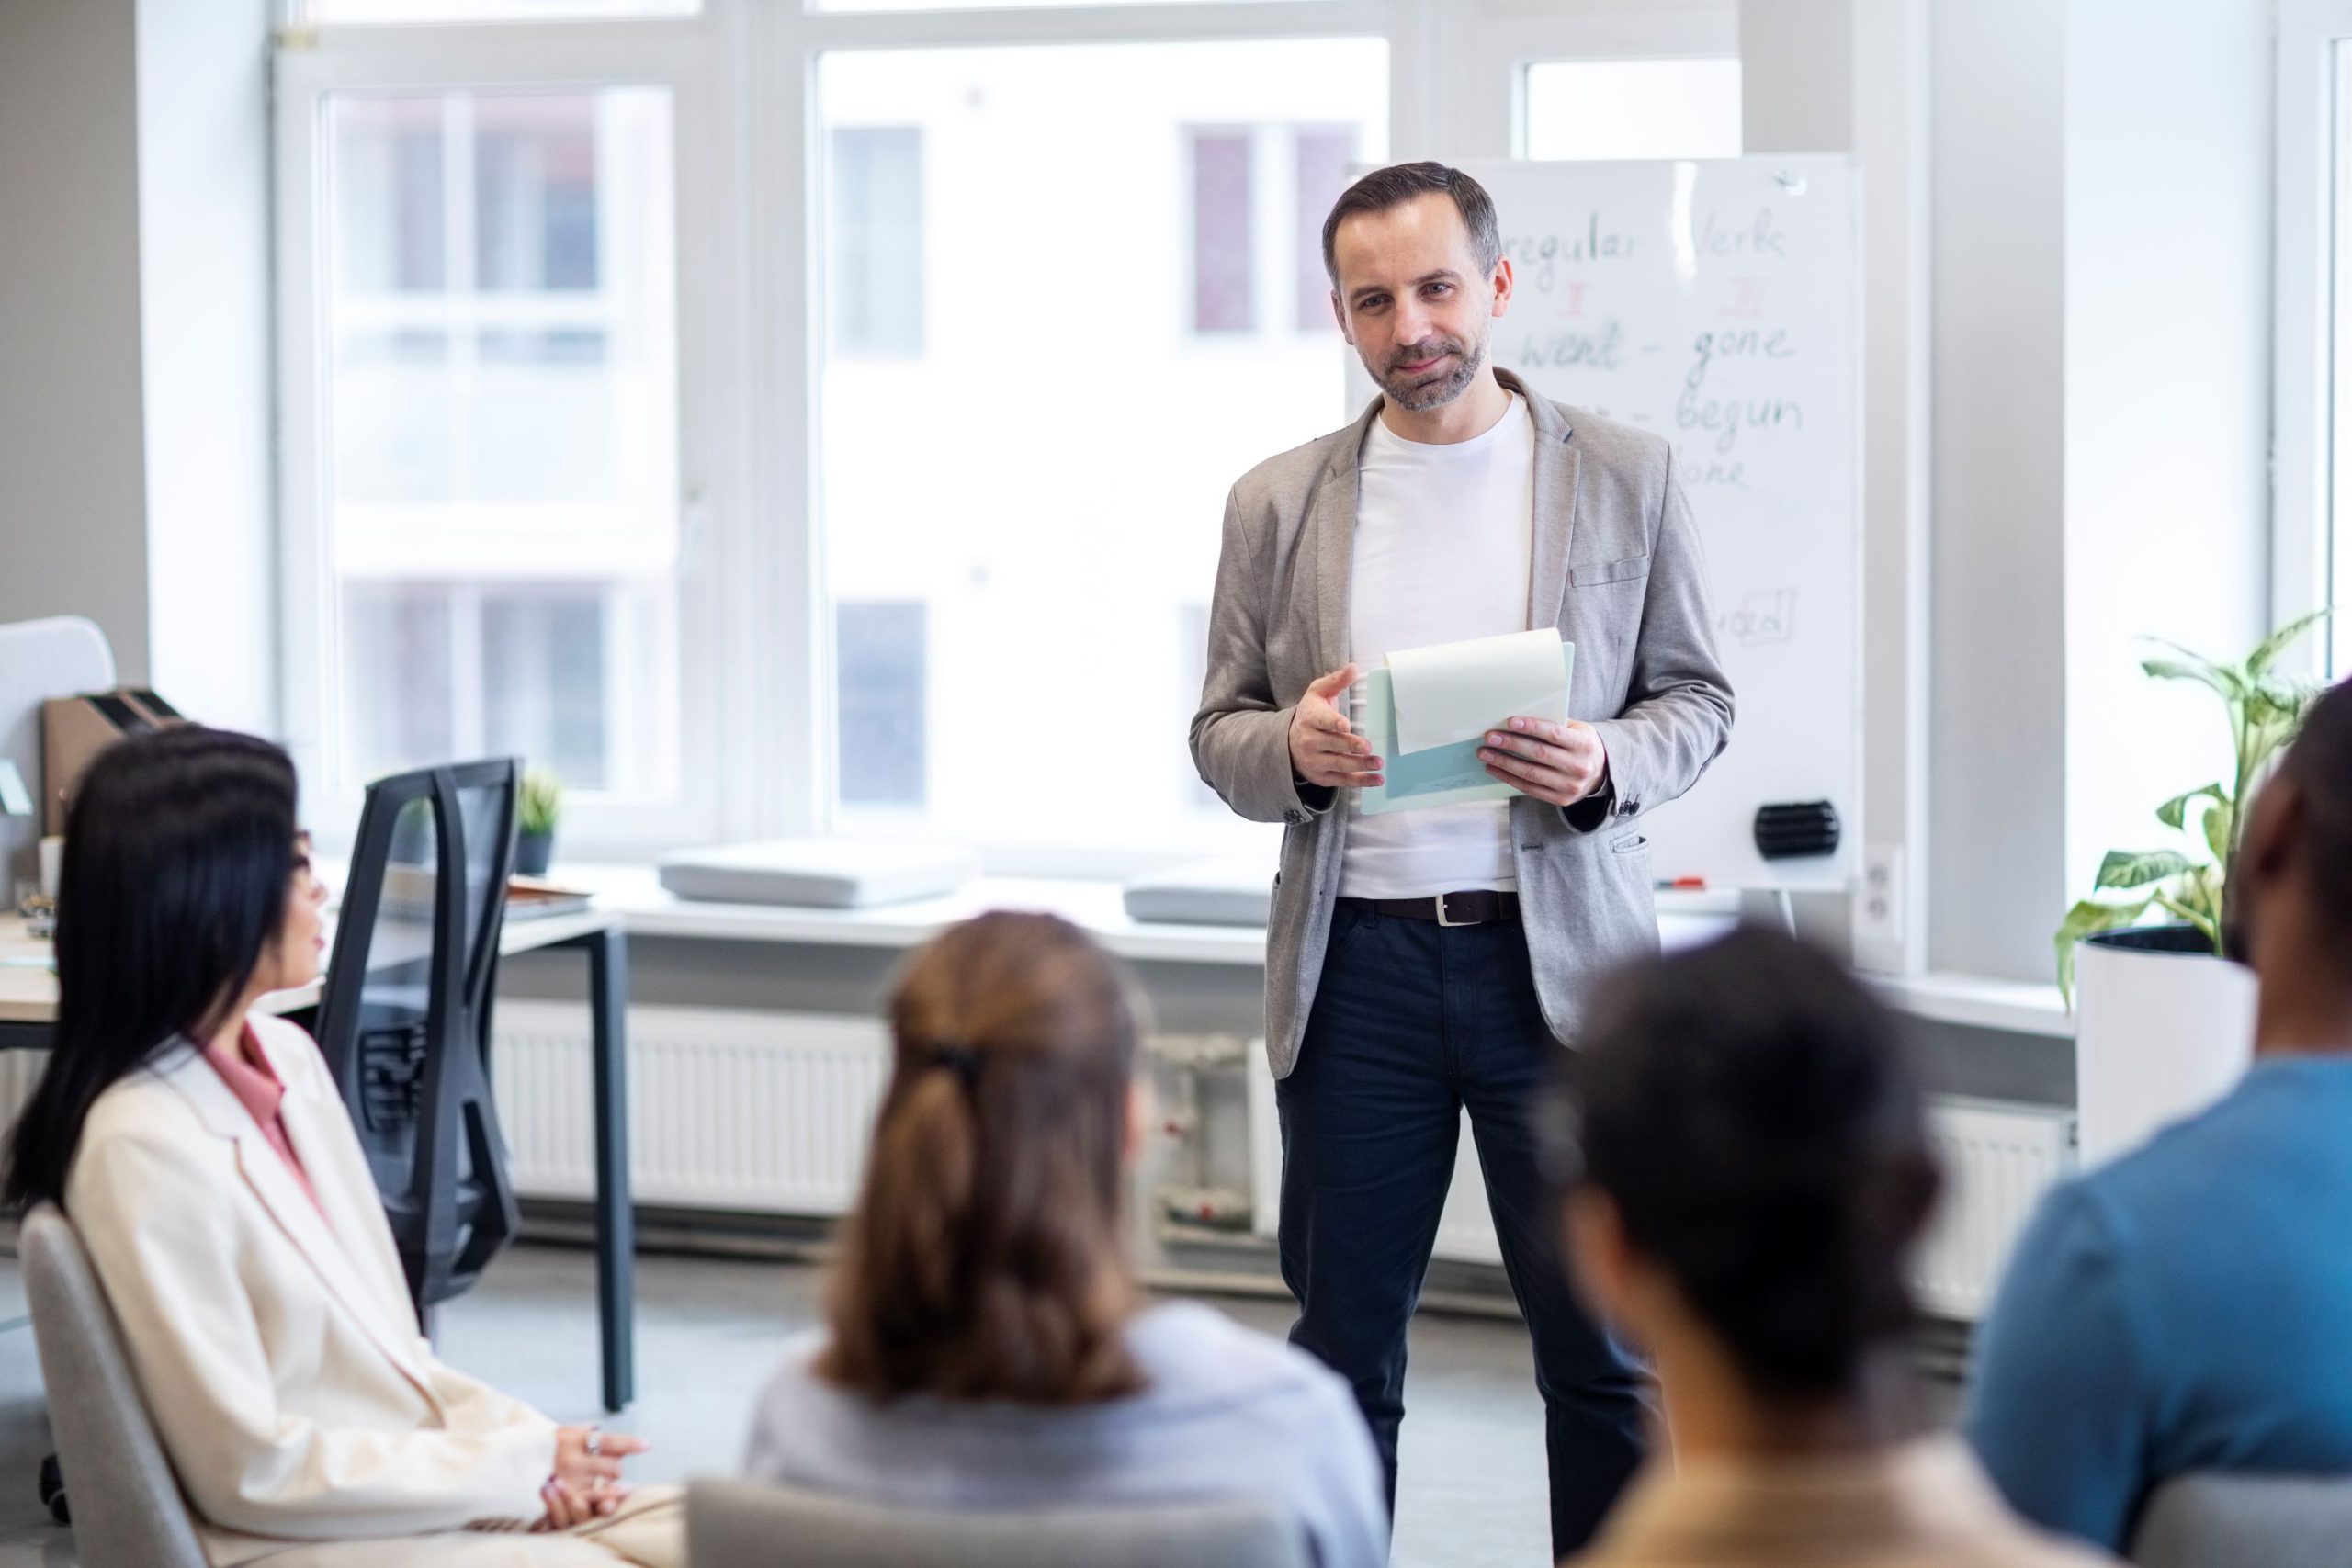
(1750, 1109)
(1400, 183)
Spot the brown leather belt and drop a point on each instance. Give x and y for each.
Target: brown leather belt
(1478, 908)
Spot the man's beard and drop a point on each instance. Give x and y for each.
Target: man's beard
(1416, 396)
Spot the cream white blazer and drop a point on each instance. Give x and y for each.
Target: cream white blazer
(275, 1344)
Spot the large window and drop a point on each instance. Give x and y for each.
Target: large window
(1113, 328)
(498, 370)
(803, 416)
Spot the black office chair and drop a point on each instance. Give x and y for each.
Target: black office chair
(405, 1021)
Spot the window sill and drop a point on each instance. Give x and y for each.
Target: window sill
(650, 910)
(636, 893)
(1096, 904)
(1979, 1002)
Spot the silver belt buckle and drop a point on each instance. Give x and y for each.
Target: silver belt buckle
(1441, 914)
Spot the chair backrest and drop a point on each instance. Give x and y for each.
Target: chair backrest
(2235, 1519)
(743, 1523)
(128, 1511)
(39, 659)
(404, 1018)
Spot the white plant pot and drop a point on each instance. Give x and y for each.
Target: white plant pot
(2163, 1029)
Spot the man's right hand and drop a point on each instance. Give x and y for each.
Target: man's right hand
(1325, 750)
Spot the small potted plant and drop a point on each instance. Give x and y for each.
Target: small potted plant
(2164, 1025)
(538, 806)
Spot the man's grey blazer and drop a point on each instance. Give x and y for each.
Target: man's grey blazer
(1616, 566)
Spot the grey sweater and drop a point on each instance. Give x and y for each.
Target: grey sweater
(1228, 1413)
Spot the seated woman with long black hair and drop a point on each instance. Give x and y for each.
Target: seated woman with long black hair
(1750, 1171)
(203, 1155)
(988, 1346)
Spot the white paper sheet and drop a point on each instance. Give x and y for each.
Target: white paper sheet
(1454, 691)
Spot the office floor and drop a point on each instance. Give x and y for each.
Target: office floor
(709, 1328)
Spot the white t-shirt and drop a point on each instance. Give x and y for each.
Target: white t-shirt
(1443, 538)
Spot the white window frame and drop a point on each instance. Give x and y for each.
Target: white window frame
(2311, 192)
(757, 661)
(310, 66)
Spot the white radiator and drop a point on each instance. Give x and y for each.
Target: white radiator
(770, 1113)
(761, 1112)
(1998, 1160)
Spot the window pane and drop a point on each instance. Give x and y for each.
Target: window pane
(436, 670)
(1632, 108)
(543, 680)
(1324, 156)
(882, 653)
(1223, 246)
(1047, 481)
(535, 192)
(489, 10)
(876, 276)
(501, 480)
(396, 669)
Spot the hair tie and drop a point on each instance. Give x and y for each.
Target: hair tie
(961, 1060)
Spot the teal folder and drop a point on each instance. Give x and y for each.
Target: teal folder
(1439, 775)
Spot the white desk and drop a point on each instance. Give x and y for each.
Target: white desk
(29, 1014)
(29, 988)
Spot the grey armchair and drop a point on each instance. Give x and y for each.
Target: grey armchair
(2218, 1519)
(128, 1511)
(741, 1524)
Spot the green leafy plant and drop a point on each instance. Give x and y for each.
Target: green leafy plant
(2264, 710)
(538, 803)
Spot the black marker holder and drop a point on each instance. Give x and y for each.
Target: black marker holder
(1796, 830)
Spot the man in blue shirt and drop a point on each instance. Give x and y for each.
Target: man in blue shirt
(2190, 1306)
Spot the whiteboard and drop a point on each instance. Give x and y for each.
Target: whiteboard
(1719, 304)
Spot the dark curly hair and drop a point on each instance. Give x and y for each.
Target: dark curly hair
(1746, 1107)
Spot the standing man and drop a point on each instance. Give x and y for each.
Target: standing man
(1421, 961)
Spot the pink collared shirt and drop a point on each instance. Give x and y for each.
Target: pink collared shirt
(249, 1077)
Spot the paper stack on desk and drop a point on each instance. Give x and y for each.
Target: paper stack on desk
(1427, 714)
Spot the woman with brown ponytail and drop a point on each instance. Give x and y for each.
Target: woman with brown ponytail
(987, 1345)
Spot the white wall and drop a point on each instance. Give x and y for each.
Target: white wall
(1892, 117)
(1798, 75)
(134, 338)
(203, 180)
(72, 469)
(2067, 248)
(1835, 75)
(2167, 345)
(1997, 736)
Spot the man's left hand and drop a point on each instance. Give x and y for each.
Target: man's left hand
(1561, 763)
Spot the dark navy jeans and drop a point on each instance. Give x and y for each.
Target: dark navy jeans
(1413, 1023)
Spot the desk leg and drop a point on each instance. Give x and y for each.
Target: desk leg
(616, 1215)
